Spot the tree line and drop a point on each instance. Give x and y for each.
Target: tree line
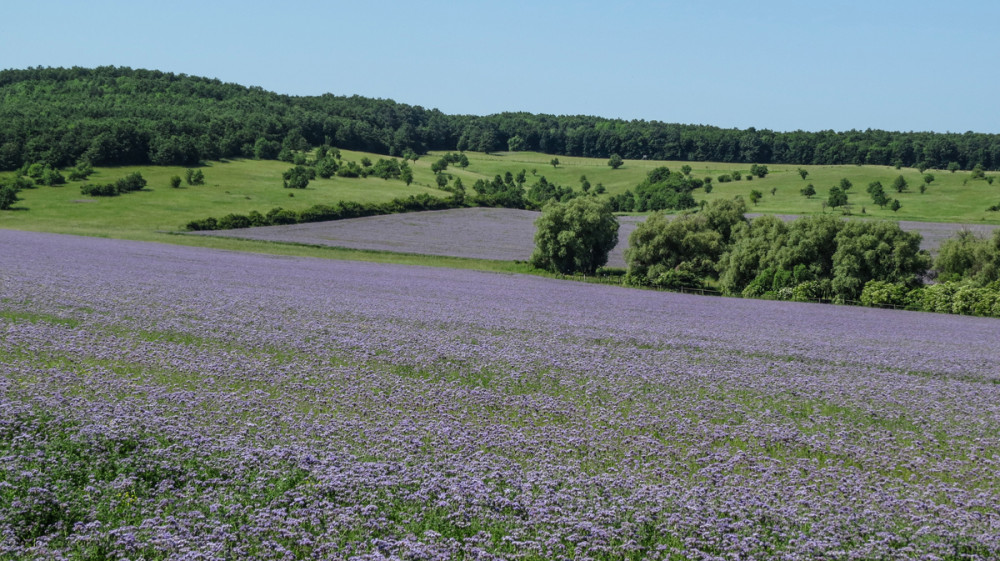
(120, 116)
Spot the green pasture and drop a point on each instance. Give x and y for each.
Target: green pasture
(242, 186)
(951, 197)
(236, 186)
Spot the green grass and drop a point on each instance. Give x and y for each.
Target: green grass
(237, 186)
(241, 186)
(951, 197)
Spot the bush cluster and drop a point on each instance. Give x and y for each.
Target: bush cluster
(819, 257)
(321, 213)
(129, 183)
(961, 297)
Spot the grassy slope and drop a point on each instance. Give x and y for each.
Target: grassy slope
(952, 197)
(238, 186)
(241, 186)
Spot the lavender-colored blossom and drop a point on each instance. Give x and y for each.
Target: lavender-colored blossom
(181, 403)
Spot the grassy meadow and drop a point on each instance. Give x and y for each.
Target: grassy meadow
(241, 186)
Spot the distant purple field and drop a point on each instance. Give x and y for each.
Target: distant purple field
(163, 402)
(480, 233)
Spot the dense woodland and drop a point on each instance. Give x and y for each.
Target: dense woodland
(112, 115)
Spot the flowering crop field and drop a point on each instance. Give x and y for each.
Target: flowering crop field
(484, 233)
(477, 233)
(164, 402)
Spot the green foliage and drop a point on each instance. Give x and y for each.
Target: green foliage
(175, 181)
(808, 191)
(143, 117)
(969, 257)
(928, 178)
(755, 196)
(554, 162)
(575, 236)
(977, 172)
(51, 177)
(724, 215)
(803, 173)
(895, 205)
(319, 213)
(837, 198)
(298, 177)
(754, 247)
(131, 182)
(81, 171)
(350, 170)
(501, 192)
(877, 192)
(661, 190)
(439, 166)
(760, 171)
(264, 149)
(879, 250)
(662, 251)
(388, 169)
(95, 190)
(615, 161)
(899, 184)
(686, 169)
(954, 166)
(194, 177)
(883, 294)
(326, 167)
(845, 184)
(8, 196)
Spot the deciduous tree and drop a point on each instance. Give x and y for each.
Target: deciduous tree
(575, 236)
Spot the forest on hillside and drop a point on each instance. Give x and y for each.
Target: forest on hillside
(117, 116)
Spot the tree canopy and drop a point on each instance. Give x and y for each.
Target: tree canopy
(575, 236)
(118, 116)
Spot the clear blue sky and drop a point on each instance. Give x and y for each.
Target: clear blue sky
(782, 65)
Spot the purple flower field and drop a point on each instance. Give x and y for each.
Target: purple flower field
(164, 402)
(477, 233)
(484, 233)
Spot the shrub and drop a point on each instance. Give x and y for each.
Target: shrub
(93, 190)
(131, 182)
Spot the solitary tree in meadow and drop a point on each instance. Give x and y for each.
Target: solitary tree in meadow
(803, 173)
(837, 197)
(808, 191)
(554, 162)
(615, 161)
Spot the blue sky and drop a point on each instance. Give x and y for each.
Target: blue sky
(782, 65)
